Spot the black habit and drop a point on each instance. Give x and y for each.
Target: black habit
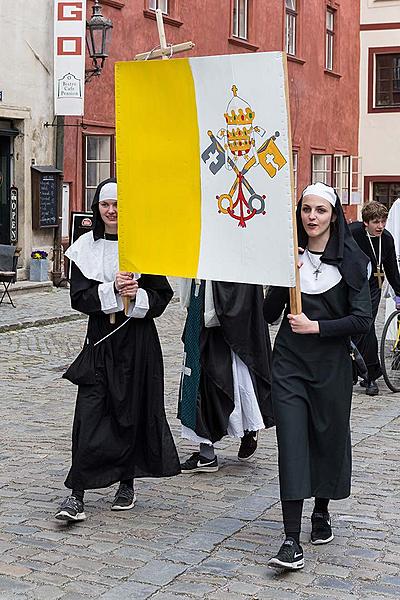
(312, 373)
(207, 406)
(368, 343)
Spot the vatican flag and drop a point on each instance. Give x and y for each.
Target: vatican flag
(204, 168)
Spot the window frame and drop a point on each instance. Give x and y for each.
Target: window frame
(236, 26)
(330, 37)
(291, 15)
(372, 79)
(346, 180)
(156, 3)
(110, 162)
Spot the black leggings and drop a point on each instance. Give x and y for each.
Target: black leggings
(79, 494)
(292, 511)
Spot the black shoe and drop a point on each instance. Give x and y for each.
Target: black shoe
(372, 389)
(321, 529)
(363, 383)
(198, 464)
(248, 445)
(124, 498)
(71, 510)
(290, 556)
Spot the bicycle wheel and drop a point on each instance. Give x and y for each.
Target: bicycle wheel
(390, 352)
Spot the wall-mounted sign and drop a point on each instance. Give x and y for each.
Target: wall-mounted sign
(69, 56)
(13, 214)
(45, 196)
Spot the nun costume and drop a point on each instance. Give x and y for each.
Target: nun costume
(120, 431)
(312, 368)
(226, 378)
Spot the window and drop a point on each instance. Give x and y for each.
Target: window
(291, 16)
(342, 172)
(240, 14)
(99, 163)
(386, 192)
(330, 39)
(295, 156)
(321, 165)
(161, 4)
(387, 88)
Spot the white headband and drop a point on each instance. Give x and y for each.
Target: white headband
(108, 191)
(321, 190)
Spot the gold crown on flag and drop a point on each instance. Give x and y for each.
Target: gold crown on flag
(241, 112)
(239, 139)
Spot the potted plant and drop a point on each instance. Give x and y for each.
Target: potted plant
(39, 269)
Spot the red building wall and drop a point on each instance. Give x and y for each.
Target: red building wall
(323, 105)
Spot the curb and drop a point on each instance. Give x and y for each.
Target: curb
(50, 321)
(41, 322)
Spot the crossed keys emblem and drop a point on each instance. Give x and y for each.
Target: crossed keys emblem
(238, 146)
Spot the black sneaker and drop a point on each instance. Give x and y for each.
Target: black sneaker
(124, 498)
(290, 556)
(363, 383)
(372, 389)
(321, 528)
(198, 464)
(71, 510)
(248, 445)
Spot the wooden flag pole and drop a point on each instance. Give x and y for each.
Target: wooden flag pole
(164, 51)
(295, 292)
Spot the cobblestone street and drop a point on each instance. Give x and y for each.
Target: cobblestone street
(189, 537)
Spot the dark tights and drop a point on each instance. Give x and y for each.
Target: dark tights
(292, 511)
(79, 494)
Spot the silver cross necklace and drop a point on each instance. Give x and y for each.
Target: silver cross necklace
(317, 267)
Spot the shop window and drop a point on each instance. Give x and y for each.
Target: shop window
(240, 19)
(161, 4)
(291, 24)
(99, 163)
(330, 39)
(386, 192)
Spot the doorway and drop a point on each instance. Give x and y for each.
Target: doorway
(5, 183)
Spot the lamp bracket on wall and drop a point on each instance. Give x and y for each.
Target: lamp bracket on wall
(55, 124)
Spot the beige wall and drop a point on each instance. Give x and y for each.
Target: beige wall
(380, 11)
(379, 138)
(26, 67)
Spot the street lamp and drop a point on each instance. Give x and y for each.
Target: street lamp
(98, 35)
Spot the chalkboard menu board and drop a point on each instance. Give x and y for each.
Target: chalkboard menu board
(48, 200)
(45, 196)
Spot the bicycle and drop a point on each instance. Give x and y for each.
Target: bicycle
(390, 351)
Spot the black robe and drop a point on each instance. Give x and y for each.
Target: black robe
(312, 390)
(238, 307)
(120, 429)
(368, 343)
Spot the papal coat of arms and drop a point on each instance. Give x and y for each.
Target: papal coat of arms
(234, 148)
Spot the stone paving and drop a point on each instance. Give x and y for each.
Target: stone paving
(189, 537)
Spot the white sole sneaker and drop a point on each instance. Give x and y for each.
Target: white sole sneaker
(320, 542)
(275, 563)
(63, 515)
(131, 505)
(201, 470)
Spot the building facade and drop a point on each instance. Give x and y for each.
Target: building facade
(26, 104)
(322, 42)
(380, 99)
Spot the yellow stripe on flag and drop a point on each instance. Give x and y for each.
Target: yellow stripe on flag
(158, 167)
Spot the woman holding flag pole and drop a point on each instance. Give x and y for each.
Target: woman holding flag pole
(312, 371)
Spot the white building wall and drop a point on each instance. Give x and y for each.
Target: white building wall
(379, 139)
(26, 81)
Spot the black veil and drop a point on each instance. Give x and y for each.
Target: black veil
(98, 223)
(341, 250)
